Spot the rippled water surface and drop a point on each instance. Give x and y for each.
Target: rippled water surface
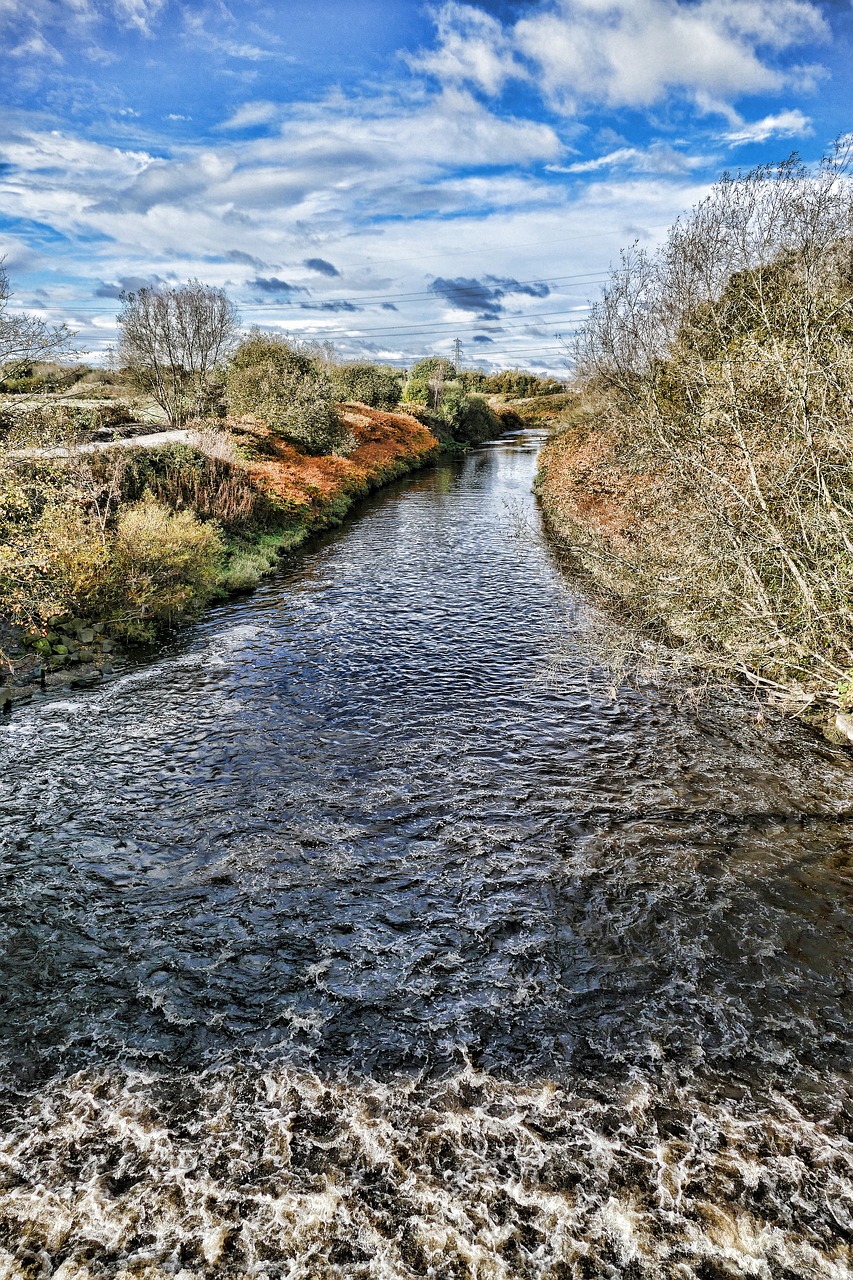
(340, 940)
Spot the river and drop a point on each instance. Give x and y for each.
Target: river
(345, 938)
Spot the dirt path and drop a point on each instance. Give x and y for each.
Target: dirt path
(153, 441)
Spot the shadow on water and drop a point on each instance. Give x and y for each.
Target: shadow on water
(339, 927)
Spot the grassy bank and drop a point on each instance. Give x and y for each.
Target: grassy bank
(117, 544)
(270, 441)
(703, 480)
(305, 494)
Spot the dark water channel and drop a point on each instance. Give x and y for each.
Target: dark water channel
(343, 939)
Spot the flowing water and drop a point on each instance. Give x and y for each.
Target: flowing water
(339, 940)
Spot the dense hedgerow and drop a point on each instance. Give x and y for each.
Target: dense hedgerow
(517, 384)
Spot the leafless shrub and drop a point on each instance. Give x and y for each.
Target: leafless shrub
(26, 338)
(722, 366)
(213, 441)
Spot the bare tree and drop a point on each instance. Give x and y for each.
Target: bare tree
(25, 338)
(436, 383)
(172, 340)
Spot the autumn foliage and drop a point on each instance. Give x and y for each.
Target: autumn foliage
(386, 444)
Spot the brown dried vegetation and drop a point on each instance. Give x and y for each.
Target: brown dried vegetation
(706, 478)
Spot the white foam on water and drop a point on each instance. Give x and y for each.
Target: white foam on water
(281, 1173)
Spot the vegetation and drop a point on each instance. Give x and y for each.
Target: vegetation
(514, 384)
(137, 538)
(132, 539)
(372, 384)
(442, 399)
(706, 480)
(171, 342)
(427, 381)
(270, 379)
(25, 338)
(70, 546)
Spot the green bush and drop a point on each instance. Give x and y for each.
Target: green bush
(471, 419)
(462, 420)
(155, 565)
(68, 562)
(371, 384)
(268, 378)
(426, 381)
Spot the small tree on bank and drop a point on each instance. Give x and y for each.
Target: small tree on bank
(24, 338)
(427, 379)
(172, 339)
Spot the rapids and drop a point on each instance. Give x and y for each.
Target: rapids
(342, 939)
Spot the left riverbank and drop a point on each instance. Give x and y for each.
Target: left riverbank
(101, 550)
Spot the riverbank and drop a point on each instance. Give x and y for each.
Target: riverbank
(613, 519)
(261, 494)
(307, 493)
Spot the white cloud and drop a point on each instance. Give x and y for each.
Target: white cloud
(250, 114)
(472, 49)
(339, 162)
(210, 29)
(135, 13)
(36, 47)
(24, 24)
(658, 158)
(627, 53)
(785, 124)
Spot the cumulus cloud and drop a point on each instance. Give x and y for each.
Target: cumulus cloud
(483, 297)
(626, 53)
(473, 48)
(785, 124)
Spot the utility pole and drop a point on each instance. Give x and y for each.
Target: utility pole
(457, 353)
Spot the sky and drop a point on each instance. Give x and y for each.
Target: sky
(388, 176)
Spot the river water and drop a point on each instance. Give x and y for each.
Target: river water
(343, 939)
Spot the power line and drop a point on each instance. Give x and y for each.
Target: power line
(461, 291)
(440, 325)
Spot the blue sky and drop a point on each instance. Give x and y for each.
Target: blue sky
(388, 176)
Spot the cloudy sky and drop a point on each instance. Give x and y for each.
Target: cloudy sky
(385, 174)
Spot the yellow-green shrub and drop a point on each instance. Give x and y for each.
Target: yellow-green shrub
(164, 562)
